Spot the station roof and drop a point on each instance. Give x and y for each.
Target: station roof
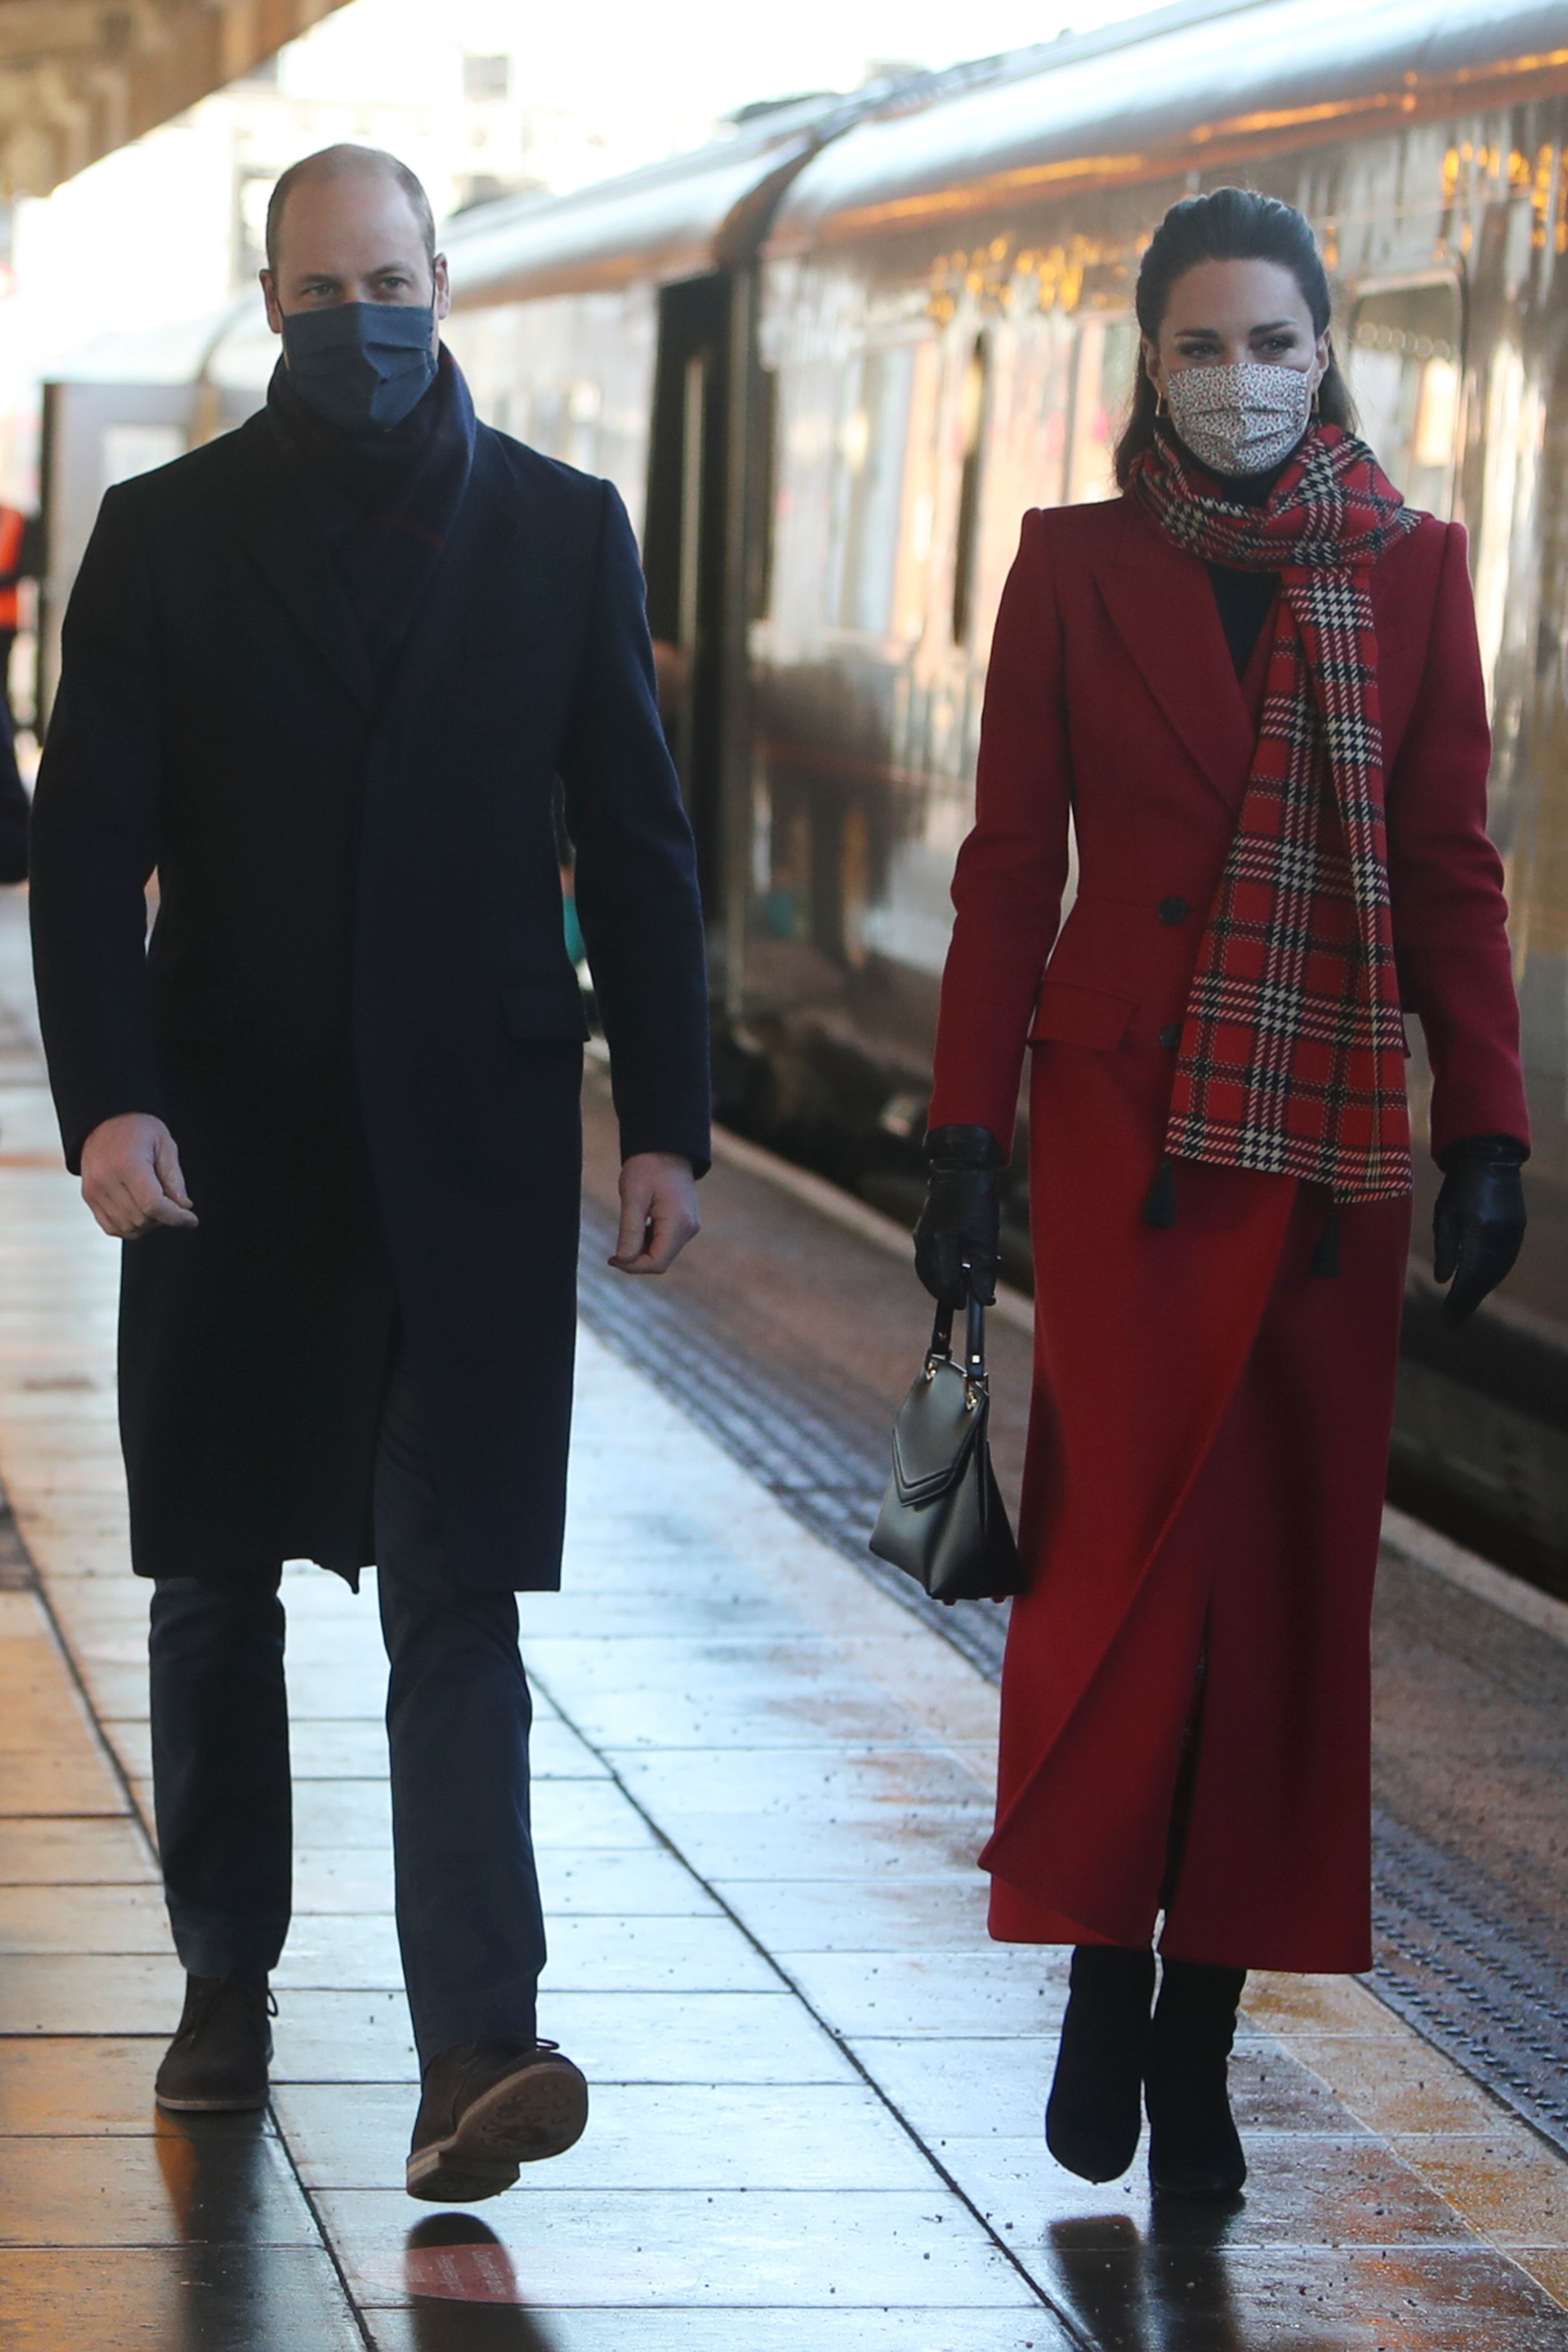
(1205, 84)
(78, 78)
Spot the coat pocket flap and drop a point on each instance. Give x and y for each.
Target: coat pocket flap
(544, 1008)
(934, 1434)
(1071, 1016)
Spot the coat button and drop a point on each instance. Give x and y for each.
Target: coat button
(1170, 1035)
(1174, 911)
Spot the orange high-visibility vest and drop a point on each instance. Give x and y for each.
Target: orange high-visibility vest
(13, 524)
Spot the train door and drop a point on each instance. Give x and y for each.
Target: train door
(684, 547)
(95, 435)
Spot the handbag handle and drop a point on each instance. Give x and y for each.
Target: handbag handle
(941, 1347)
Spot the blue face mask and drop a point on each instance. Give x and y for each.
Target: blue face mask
(362, 365)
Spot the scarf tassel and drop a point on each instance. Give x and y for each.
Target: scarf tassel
(1159, 1211)
(1160, 1207)
(1325, 1261)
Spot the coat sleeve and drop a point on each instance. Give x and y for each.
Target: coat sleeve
(1446, 882)
(1012, 870)
(94, 841)
(637, 897)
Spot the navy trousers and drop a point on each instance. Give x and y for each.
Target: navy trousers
(458, 1717)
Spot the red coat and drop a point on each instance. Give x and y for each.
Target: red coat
(1211, 1420)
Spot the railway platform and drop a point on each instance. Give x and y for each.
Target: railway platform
(763, 1778)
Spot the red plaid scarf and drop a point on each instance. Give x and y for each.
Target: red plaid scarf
(1292, 1057)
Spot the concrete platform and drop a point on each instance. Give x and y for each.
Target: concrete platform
(817, 2087)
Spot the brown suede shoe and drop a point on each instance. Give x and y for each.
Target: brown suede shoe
(487, 2109)
(216, 2062)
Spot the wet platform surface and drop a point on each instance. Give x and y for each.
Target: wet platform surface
(817, 2087)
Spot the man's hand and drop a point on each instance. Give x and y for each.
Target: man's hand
(131, 1177)
(658, 1212)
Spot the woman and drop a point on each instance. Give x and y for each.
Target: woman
(1253, 683)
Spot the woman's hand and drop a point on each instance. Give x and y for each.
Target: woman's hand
(958, 1238)
(1479, 1222)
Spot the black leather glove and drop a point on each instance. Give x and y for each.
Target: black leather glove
(1479, 1222)
(960, 1226)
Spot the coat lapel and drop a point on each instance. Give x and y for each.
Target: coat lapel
(279, 535)
(1162, 608)
(483, 531)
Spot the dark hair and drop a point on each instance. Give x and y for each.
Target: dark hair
(1228, 224)
(343, 162)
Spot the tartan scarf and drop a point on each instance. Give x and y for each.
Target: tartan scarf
(1292, 1054)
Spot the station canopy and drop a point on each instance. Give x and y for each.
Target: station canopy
(80, 78)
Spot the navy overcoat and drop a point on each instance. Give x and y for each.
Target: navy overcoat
(356, 1011)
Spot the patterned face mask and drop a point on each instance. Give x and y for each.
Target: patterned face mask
(1239, 419)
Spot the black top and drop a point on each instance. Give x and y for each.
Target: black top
(1245, 599)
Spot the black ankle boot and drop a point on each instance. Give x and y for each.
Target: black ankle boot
(1194, 2148)
(216, 2062)
(1092, 2120)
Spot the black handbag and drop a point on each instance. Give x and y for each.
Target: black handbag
(942, 1520)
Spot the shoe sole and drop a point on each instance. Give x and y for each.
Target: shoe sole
(247, 2105)
(527, 2117)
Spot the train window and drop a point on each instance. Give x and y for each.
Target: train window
(971, 431)
(486, 77)
(128, 450)
(872, 439)
(1103, 387)
(917, 527)
(1403, 363)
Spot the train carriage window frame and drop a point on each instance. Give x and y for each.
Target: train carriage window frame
(973, 412)
(763, 489)
(1411, 413)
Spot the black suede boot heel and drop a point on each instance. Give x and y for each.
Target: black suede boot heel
(1194, 2148)
(1092, 2120)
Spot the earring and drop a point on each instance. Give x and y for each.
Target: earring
(1158, 402)
(1317, 400)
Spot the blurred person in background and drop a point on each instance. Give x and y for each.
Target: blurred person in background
(323, 674)
(21, 541)
(14, 808)
(1253, 683)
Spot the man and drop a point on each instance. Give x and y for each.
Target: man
(324, 674)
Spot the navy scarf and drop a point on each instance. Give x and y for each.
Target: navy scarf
(384, 501)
